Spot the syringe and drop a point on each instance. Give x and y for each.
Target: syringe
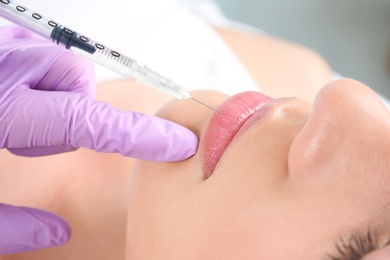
(91, 49)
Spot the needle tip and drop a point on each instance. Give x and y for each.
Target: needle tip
(205, 105)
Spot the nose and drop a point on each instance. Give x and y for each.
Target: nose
(347, 109)
(348, 122)
(348, 97)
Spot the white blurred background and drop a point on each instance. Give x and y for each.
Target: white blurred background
(353, 35)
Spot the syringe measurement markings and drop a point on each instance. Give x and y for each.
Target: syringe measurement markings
(84, 39)
(21, 8)
(117, 56)
(128, 62)
(52, 24)
(37, 16)
(107, 53)
(122, 60)
(102, 50)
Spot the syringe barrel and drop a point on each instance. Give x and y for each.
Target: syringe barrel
(22, 15)
(89, 48)
(67, 37)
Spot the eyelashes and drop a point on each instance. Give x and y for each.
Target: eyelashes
(355, 246)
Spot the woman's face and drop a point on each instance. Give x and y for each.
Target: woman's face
(291, 181)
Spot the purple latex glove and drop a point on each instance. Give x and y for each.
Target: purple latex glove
(24, 229)
(47, 106)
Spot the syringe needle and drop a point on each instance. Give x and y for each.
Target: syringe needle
(205, 104)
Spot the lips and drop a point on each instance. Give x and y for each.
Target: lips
(224, 126)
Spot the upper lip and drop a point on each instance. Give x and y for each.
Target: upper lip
(223, 126)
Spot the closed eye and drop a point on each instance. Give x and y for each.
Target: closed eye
(355, 246)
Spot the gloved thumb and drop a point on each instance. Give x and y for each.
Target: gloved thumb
(53, 121)
(25, 229)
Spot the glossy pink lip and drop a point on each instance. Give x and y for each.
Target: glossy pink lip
(225, 125)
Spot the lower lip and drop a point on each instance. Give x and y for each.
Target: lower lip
(224, 126)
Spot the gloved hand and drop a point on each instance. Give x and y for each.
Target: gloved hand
(47, 106)
(24, 229)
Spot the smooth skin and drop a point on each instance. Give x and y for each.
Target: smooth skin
(318, 171)
(289, 187)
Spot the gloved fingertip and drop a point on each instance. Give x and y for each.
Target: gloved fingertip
(172, 143)
(184, 145)
(25, 229)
